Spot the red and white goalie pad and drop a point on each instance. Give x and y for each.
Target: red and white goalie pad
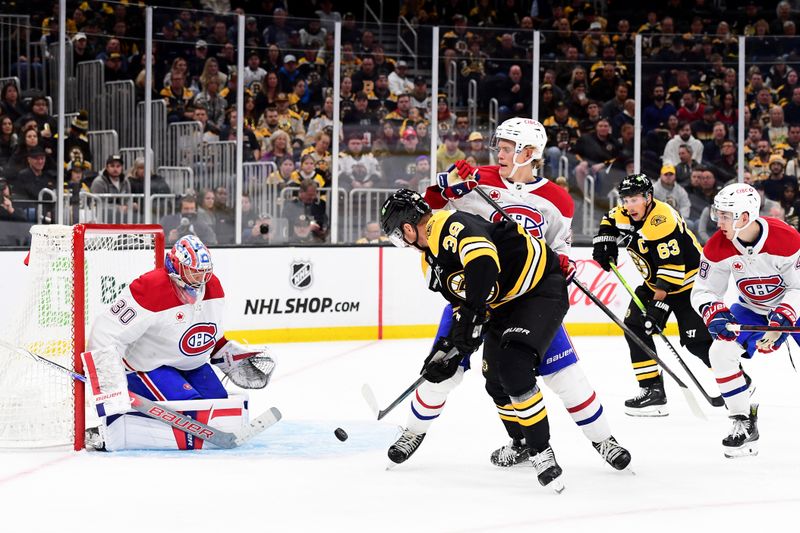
(108, 386)
(244, 366)
(135, 431)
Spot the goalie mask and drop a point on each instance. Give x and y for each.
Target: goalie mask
(524, 133)
(189, 266)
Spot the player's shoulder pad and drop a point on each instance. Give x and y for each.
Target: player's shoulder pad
(154, 291)
(718, 248)
(618, 215)
(782, 239)
(558, 197)
(433, 229)
(490, 176)
(433, 197)
(213, 289)
(661, 222)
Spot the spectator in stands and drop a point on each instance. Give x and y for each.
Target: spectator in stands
(290, 121)
(307, 171)
(514, 96)
(358, 169)
(684, 136)
(596, 150)
(281, 176)
(210, 133)
(372, 234)
(712, 148)
(364, 78)
(308, 209)
(274, 59)
(385, 143)
(777, 180)
(790, 205)
(657, 113)
(477, 149)
(288, 73)
(185, 222)
(251, 150)
(10, 102)
(666, 190)
(589, 123)
(320, 153)
(253, 71)
(791, 151)
(420, 97)
(727, 113)
(401, 165)
(213, 103)
(178, 98)
(205, 210)
(360, 118)
(279, 147)
(113, 181)
(30, 141)
(34, 177)
(686, 164)
(399, 83)
(703, 129)
(8, 141)
(624, 118)
(397, 117)
(46, 123)
(135, 176)
(212, 70)
(616, 105)
(603, 87)
(76, 145)
(792, 109)
(697, 199)
(80, 50)
(8, 212)
(448, 153)
(759, 165)
(776, 131)
(692, 109)
(759, 109)
(225, 217)
(278, 32)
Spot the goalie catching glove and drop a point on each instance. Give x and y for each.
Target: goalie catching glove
(458, 180)
(246, 368)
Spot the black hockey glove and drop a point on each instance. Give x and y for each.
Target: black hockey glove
(605, 249)
(466, 334)
(655, 318)
(442, 363)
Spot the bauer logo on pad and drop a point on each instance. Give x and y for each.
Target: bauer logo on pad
(301, 276)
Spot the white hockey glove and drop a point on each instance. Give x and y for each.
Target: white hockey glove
(108, 386)
(246, 368)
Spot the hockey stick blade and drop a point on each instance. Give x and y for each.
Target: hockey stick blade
(369, 397)
(263, 422)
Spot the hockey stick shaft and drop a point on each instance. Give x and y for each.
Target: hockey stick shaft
(222, 439)
(715, 401)
(639, 342)
(405, 394)
(739, 328)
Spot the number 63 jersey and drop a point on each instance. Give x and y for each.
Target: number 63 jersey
(766, 273)
(662, 248)
(150, 326)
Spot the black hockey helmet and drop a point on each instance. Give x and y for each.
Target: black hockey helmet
(403, 206)
(635, 184)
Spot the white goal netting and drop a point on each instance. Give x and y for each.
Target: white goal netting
(37, 404)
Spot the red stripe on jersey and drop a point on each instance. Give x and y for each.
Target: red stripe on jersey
(490, 176)
(782, 239)
(426, 406)
(730, 378)
(584, 405)
(718, 248)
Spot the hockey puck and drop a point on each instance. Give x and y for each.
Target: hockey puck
(340, 434)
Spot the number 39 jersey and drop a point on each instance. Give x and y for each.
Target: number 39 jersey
(664, 250)
(151, 327)
(765, 274)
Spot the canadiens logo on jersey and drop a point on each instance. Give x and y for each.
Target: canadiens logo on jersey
(531, 219)
(198, 339)
(762, 289)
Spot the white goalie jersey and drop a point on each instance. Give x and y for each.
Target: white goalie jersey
(765, 275)
(151, 327)
(541, 207)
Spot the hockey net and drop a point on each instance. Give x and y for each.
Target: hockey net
(73, 273)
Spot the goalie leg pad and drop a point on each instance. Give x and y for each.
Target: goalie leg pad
(106, 379)
(166, 383)
(135, 431)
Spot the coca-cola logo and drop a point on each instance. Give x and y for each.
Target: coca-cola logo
(601, 283)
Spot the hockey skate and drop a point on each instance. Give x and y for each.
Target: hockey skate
(405, 446)
(651, 401)
(618, 457)
(547, 469)
(93, 439)
(513, 453)
(743, 437)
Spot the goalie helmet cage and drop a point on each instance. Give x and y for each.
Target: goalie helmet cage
(73, 273)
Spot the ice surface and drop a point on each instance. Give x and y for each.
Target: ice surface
(298, 477)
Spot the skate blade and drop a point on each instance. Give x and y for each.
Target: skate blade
(556, 485)
(652, 412)
(748, 450)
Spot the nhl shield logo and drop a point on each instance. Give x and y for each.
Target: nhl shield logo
(300, 277)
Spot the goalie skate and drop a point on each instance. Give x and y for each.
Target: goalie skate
(547, 469)
(513, 453)
(651, 401)
(743, 437)
(404, 447)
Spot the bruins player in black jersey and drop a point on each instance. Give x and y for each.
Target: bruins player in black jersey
(667, 255)
(507, 292)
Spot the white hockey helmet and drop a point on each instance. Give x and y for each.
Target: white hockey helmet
(735, 199)
(523, 132)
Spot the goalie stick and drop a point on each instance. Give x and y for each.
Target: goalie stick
(715, 401)
(687, 394)
(221, 439)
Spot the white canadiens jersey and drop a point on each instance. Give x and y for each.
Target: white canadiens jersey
(151, 327)
(766, 274)
(541, 207)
